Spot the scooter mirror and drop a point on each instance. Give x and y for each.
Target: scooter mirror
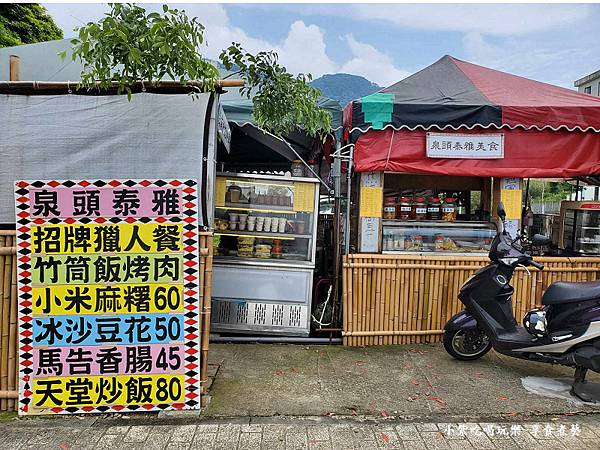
(539, 240)
(501, 211)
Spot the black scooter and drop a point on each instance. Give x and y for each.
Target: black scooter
(565, 331)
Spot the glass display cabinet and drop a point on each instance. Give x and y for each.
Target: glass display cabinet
(580, 227)
(264, 253)
(437, 237)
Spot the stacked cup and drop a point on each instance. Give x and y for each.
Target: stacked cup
(259, 223)
(243, 218)
(251, 223)
(233, 221)
(282, 223)
(267, 225)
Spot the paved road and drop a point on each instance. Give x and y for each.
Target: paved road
(575, 432)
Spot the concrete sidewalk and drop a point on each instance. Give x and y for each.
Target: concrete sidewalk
(330, 397)
(293, 434)
(419, 382)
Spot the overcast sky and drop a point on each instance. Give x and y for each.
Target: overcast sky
(555, 43)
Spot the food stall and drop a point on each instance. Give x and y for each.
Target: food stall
(265, 238)
(267, 251)
(579, 227)
(427, 215)
(434, 154)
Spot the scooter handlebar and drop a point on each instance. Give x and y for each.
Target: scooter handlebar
(537, 265)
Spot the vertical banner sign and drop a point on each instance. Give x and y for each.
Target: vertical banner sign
(108, 295)
(511, 195)
(371, 203)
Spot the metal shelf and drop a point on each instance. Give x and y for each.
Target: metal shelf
(437, 224)
(263, 234)
(268, 177)
(259, 208)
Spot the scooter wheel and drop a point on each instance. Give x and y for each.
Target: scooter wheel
(466, 345)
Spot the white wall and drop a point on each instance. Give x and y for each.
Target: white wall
(594, 84)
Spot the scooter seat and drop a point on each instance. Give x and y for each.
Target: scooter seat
(562, 292)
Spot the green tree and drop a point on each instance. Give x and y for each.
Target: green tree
(552, 191)
(130, 45)
(281, 100)
(26, 23)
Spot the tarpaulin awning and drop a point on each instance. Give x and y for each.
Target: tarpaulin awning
(453, 94)
(527, 154)
(62, 137)
(548, 131)
(238, 109)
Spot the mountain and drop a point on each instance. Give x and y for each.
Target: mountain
(344, 87)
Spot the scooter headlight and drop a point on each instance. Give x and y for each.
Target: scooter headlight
(508, 261)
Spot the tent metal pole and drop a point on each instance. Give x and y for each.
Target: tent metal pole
(336, 175)
(348, 196)
(524, 210)
(300, 158)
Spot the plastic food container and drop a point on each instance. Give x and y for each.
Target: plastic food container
(235, 193)
(262, 251)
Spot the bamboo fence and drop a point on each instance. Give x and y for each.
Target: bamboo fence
(206, 261)
(8, 322)
(403, 299)
(9, 327)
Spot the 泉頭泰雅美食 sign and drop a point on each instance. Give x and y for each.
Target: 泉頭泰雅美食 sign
(108, 295)
(465, 146)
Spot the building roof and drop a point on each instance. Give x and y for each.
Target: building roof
(591, 77)
(40, 62)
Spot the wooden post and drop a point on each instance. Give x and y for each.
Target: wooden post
(14, 68)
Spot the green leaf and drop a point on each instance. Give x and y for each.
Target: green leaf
(129, 45)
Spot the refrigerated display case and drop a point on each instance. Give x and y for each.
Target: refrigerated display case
(265, 243)
(580, 227)
(438, 237)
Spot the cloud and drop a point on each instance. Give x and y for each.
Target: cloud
(477, 47)
(74, 15)
(533, 59)
(303, 50)
(305, 47)
(490, 19)
(371, 63)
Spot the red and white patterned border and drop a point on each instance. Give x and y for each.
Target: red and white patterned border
(192, 289)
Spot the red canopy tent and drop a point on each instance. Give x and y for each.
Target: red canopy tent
(548, 131)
